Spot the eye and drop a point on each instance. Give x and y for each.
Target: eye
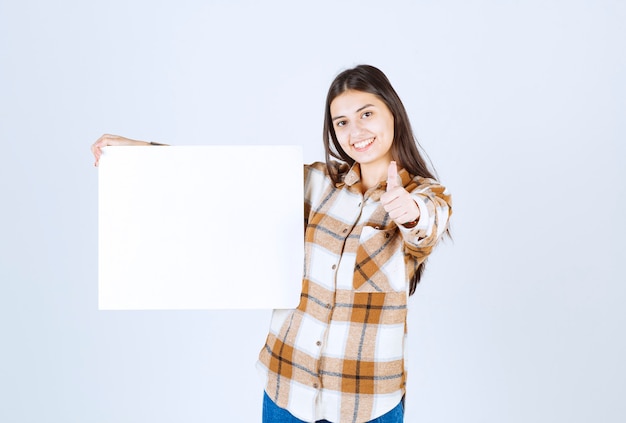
(366, 114)
(341, 123)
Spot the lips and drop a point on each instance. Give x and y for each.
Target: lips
(362, 145)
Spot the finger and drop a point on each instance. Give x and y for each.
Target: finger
(96, 147)
(392, 176)
(97, 155)
(391, 196)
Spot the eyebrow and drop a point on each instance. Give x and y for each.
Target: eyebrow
(358, 110)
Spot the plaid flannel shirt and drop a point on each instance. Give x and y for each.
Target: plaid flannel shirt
(340, 354)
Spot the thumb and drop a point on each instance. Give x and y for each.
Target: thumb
(392, 176)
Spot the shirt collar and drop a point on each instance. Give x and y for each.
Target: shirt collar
(354, 175)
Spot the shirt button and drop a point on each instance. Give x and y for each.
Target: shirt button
(359, 205)
(334, 266)
(315, 385)
(345, 230)
(318, 343)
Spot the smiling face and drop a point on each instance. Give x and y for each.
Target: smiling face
(364, 126)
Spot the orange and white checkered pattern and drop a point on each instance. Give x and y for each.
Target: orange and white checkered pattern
(340, 354)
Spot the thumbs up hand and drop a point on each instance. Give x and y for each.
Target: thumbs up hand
(397, 201)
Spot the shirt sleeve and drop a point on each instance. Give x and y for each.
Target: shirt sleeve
(307, 200)
(316, 180)
(435, 205)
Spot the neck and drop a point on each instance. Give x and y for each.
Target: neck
(372, 175)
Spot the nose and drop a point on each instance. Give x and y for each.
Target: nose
(356, 128)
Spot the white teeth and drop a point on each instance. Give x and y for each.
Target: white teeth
(363, 144)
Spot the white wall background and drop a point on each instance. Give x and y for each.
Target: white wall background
(519, 104)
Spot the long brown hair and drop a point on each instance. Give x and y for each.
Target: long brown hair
(404, 148)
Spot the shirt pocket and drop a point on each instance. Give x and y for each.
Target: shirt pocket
(379, 264)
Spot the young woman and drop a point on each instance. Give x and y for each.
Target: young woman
(373, 213)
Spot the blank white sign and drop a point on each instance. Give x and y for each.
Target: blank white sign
(200, 227)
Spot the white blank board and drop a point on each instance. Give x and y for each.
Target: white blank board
(200, 227)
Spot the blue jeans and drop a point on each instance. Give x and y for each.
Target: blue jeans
(274, 414)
